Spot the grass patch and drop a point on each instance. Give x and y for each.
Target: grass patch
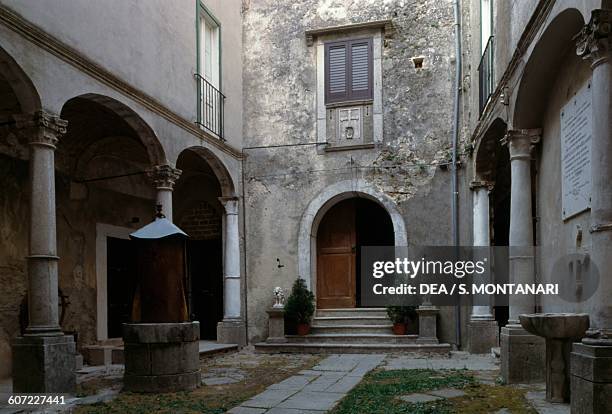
(261, 370)
(379, 391)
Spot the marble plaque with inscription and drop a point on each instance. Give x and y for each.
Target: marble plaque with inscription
(576, 134)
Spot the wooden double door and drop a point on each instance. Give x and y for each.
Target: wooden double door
(345, 228)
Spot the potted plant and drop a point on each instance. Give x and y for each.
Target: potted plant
(300, 306)
(399, 315)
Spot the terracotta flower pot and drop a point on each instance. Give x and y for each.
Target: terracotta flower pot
(303, 329)
(399, 328)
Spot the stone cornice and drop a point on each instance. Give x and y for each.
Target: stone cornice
(535, 23)
(51, 44)
(386, 25)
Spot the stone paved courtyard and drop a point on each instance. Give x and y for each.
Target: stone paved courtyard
(248, 382)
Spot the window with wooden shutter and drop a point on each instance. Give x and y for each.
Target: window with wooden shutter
(348, 70)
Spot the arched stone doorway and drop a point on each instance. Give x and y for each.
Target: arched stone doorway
(344, 229)
(326, 200)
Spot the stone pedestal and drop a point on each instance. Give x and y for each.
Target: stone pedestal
(591, 379)
(276, 325)
(482, 336)
(231, 332)
(161, 357)
(44, 364)
(427, 325)
(522, 356)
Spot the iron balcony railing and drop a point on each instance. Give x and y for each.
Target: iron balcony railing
(485, 74)
(210, 107)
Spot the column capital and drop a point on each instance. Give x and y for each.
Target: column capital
(520, 142)
(41, 127)
(163, 176)
(478, 184)
(230, 204)
(593, 41)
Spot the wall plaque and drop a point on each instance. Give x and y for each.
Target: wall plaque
(576, 134)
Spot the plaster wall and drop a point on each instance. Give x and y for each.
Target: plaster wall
(557, 237)
(150, 45)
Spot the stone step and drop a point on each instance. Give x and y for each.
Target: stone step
(354, 312)
(349, 348)
(351, 329)
(350, 320)
(353, 338)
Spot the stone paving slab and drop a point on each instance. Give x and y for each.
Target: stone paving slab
(315, 390)
(297, 382)
(246, 410)
(458, 360)
(269, 398)
(419, 398)
(447, 393)
(309, 400)
(293, 411)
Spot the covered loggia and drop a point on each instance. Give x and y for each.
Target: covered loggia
(19, 101)
(491, 191)
(207, 210)
(103, 161)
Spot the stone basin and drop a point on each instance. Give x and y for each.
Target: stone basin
(559, 330)
(556, 325)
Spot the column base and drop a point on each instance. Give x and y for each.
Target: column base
(523, 356)
(231, 331)
(44, 364)
(482, 336)
(591, 379)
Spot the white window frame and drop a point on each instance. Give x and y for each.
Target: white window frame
(209, 25)
(486, 23)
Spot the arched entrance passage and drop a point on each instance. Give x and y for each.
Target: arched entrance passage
(322, 203)
(101, 163)
(492, 166)
(347, 227)
(199, 211)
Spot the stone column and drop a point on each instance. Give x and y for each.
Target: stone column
(522, 354)
(44, 358)
(231, 329)
(591, 360)
(164, 177)
(482, 328)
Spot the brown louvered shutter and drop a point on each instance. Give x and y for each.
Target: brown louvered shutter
(361, 69)
(336, 72)
(348, 70)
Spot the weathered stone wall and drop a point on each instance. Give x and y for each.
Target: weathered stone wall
(279, 101)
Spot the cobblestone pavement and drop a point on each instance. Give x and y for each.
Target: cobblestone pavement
(316, 390)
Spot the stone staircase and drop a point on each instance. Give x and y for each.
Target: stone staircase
(352, 330)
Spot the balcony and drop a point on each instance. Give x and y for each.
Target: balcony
(485, 75)
(210, 107)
